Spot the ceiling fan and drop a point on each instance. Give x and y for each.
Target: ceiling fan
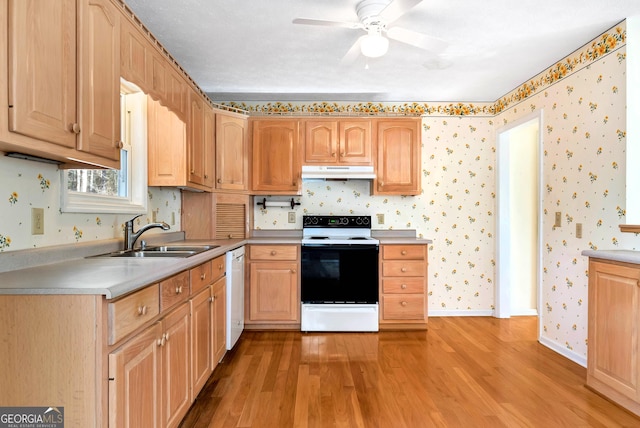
(376, 17)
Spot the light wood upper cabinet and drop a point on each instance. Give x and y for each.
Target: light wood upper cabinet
(399, 158)
(200, 143)
(232, 152)
(63, 87)
(43, 108)
(99, 27)
(276, 157)
(167, 147)
(343, 141)
(209, 149)
(133, 55)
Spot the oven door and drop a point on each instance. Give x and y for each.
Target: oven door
(339, 274)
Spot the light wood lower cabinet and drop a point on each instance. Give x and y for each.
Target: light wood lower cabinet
(403, 286)
(273, 286)
(613, 358)
(150, 375)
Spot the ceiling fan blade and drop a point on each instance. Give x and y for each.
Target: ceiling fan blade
(396, 9)
(351, 25)
(353, 53)
(419, 40)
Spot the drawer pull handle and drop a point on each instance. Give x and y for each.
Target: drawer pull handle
(219, 267)
(403, 303)
(403, 286)
(274, 252)
(293, 271)
(203, 276)
(403, 252)
(220, 180)
(211, 299)
(166, 336)
(333, 155)
(75, 128)
(142, 310)
(404, 269)
(179, 290)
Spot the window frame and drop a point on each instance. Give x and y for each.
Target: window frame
(134, 136)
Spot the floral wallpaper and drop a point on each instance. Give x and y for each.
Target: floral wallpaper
(583, 101)
(27, 184)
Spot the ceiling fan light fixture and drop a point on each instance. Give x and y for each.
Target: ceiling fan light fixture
(374, 45)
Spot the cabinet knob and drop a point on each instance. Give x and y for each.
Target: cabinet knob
(120, 144)
(206, 176)
(404, 269)
(342, 154)
(193, 171)
(403, 252)
(179, 290)
(273, 252)
(203, 276)
(333, 155)
(166, 337)
(161, 341)
(211, 299)
(230, 236)
(142, 310)
(219, 180)
(75, 128)
(403, 286)
(403, 303)
(220, 267)
(293, 271)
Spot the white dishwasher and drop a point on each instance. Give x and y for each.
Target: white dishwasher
(235, 295)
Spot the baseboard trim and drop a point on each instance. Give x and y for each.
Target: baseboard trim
(461, 313)
(567, 353)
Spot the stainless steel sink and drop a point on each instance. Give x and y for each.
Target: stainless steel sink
(180, 251)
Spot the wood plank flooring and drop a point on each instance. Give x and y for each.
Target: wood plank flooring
(462, 372)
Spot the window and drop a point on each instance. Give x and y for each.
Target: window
(108, 190)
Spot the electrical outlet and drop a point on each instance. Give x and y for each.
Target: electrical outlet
(154, 216)
(578, 230)
(292, 217)
(558, 222)
(380, 218)
(37, 221)
(173, 218)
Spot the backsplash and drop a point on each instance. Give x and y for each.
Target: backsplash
(27, 184)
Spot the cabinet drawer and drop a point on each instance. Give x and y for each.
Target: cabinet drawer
(273, 252)
(403, 285)
(129, 313)
(218, 268)
(404, 268)
(404, 252)
(201, 276)
(403, 307)
(174, 290)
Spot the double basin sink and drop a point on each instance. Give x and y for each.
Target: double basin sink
(162, 251)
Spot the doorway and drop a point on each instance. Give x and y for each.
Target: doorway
(518, 228)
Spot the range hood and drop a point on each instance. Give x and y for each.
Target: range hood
(338, 172)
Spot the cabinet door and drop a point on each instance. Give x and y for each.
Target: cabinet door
(157, 75)
(320, 142)
(176, 93)
(219, 295)
(355, 142)
(398, 169)
(134, 381)
(273, 291)
(195, 139)
(176, 361)
(42, 70)
(209, 159)
(201, 337)
(614, 302)
(276, 164)
(231, 152)
(167, 146)
(99, 29)
(133, 55)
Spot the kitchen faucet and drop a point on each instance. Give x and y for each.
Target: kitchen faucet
(130, 237)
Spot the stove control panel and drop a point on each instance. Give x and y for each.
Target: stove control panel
(341, 221)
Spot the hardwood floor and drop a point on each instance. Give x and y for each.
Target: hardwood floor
(462, 372)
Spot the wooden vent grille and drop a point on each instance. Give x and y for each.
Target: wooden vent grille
(230, 221)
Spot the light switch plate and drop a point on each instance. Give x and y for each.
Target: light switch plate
(380, 218)
(292, 217)
(558, 222)
(37, 221)
(578, 230)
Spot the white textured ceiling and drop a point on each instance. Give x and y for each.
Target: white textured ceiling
(249, 50)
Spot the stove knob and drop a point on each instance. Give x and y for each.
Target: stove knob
(358, 220)
(365, 221)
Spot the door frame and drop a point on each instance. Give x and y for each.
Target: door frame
(503, 223)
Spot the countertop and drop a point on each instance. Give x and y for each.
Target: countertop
(70, 272)
(628, 256)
